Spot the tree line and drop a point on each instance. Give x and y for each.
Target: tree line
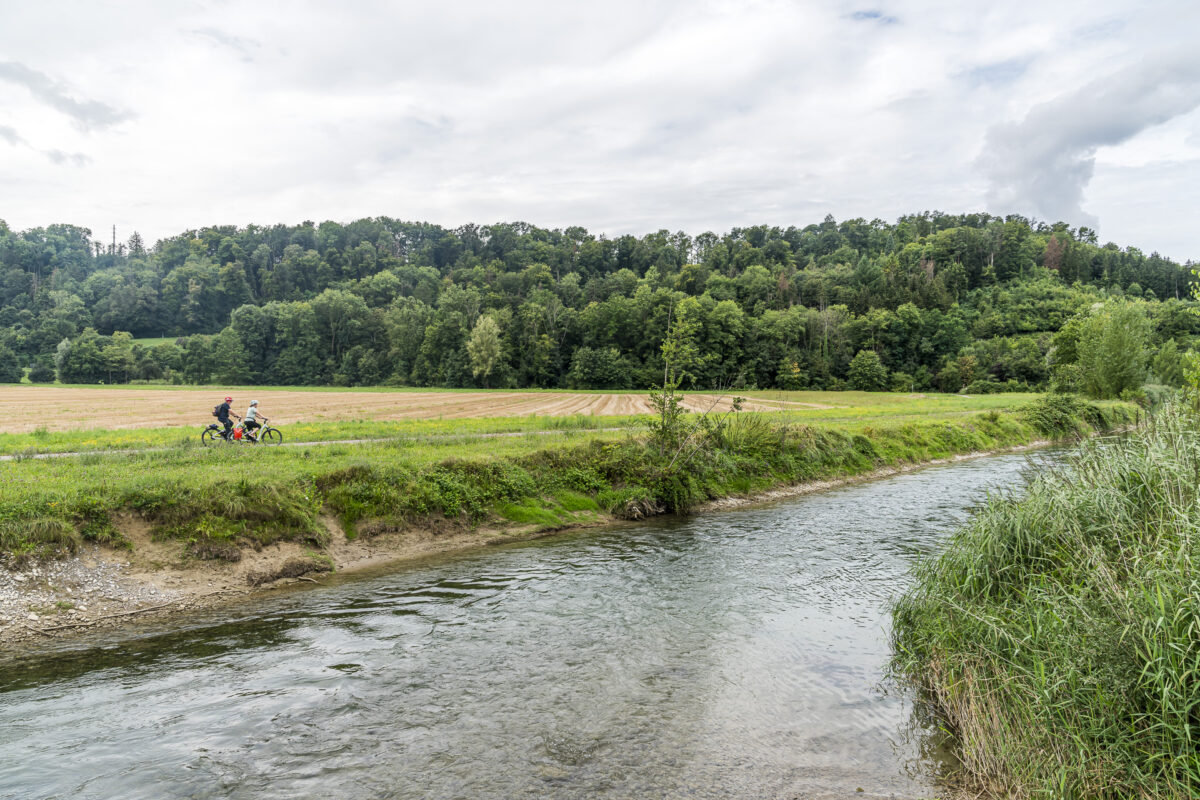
(931, 302)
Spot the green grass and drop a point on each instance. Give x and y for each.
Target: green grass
(1058, 636)
(215, 498)
(854, 411)
(43, 441)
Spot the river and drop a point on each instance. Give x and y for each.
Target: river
(737, 654)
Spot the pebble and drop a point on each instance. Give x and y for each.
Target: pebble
(86, 577)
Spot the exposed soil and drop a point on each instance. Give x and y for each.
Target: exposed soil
(105, 587)
(27, 408)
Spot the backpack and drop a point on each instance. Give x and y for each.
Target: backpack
(217, 410)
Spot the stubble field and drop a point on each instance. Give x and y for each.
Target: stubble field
(59, 408)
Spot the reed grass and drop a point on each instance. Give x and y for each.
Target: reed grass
(1058, 635)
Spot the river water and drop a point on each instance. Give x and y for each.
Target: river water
(737, 654)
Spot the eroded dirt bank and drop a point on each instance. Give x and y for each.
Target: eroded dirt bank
(106, 587)
(103, 587)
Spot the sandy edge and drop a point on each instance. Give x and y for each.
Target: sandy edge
(153, 581)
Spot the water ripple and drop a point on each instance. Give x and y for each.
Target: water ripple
(728, 655)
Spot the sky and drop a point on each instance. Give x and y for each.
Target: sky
(621, 117)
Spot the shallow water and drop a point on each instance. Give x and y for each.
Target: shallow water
(731, 655)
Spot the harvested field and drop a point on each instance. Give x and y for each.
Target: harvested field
(27, 408)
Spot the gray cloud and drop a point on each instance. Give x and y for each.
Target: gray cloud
(1043, 163)
(625, 117)
(874, 15)
(10, 135)
(88, 114)
(67, 159)
(1002, 72)
(246, 48)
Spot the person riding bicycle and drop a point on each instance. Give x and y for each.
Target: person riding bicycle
(250, 421)
(223, 411)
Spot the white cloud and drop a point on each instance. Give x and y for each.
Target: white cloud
(621, 117)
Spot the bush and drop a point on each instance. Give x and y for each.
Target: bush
(42, 372)
(867, 373)
(984, 386)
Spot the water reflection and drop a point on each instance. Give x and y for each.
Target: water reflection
(729, 655)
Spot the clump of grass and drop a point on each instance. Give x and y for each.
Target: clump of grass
(1058, 636)
(1063, 415)
(575, 502)
(529, 512)
(39, 537)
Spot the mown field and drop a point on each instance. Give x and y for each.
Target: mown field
(48, 419)
(469, 472)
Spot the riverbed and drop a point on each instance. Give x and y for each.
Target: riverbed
(736, 654)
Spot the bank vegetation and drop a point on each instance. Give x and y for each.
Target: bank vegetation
(1058, 636)
(217, 502)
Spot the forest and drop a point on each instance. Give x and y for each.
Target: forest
(935, 301)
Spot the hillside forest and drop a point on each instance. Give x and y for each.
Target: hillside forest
(935, 302)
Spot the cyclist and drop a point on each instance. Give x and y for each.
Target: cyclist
(223, 412)
(250, 421)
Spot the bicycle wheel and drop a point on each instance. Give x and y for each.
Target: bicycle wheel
(271, 436)
(210, 437)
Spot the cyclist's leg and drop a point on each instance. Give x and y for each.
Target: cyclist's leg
(228, 428)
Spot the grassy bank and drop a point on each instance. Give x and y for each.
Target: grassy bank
(1058, 636)
(218, 500)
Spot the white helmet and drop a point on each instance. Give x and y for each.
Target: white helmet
(253, 402)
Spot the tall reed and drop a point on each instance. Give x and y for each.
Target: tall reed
(1058, 635)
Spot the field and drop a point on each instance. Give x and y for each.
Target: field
(460, 466)
(61, 419)
(432, 477)
(65, 408)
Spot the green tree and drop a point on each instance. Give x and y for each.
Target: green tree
(483, 348)
(1112, 349)
(82, 360)
(42, 371)
(10, 368)
(118, 359)
(1168, 364)
(601, 368)
(867, 373)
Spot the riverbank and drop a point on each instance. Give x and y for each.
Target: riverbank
(149, 534)
(1057, 637)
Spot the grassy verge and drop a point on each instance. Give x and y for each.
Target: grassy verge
(86, 441)
(1058, 636)
(218, 500)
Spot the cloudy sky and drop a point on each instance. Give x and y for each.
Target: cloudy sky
(623, 117)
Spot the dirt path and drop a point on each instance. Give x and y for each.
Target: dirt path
(321, 443)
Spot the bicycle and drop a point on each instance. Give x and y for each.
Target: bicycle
(215, 434)
(264, 435)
